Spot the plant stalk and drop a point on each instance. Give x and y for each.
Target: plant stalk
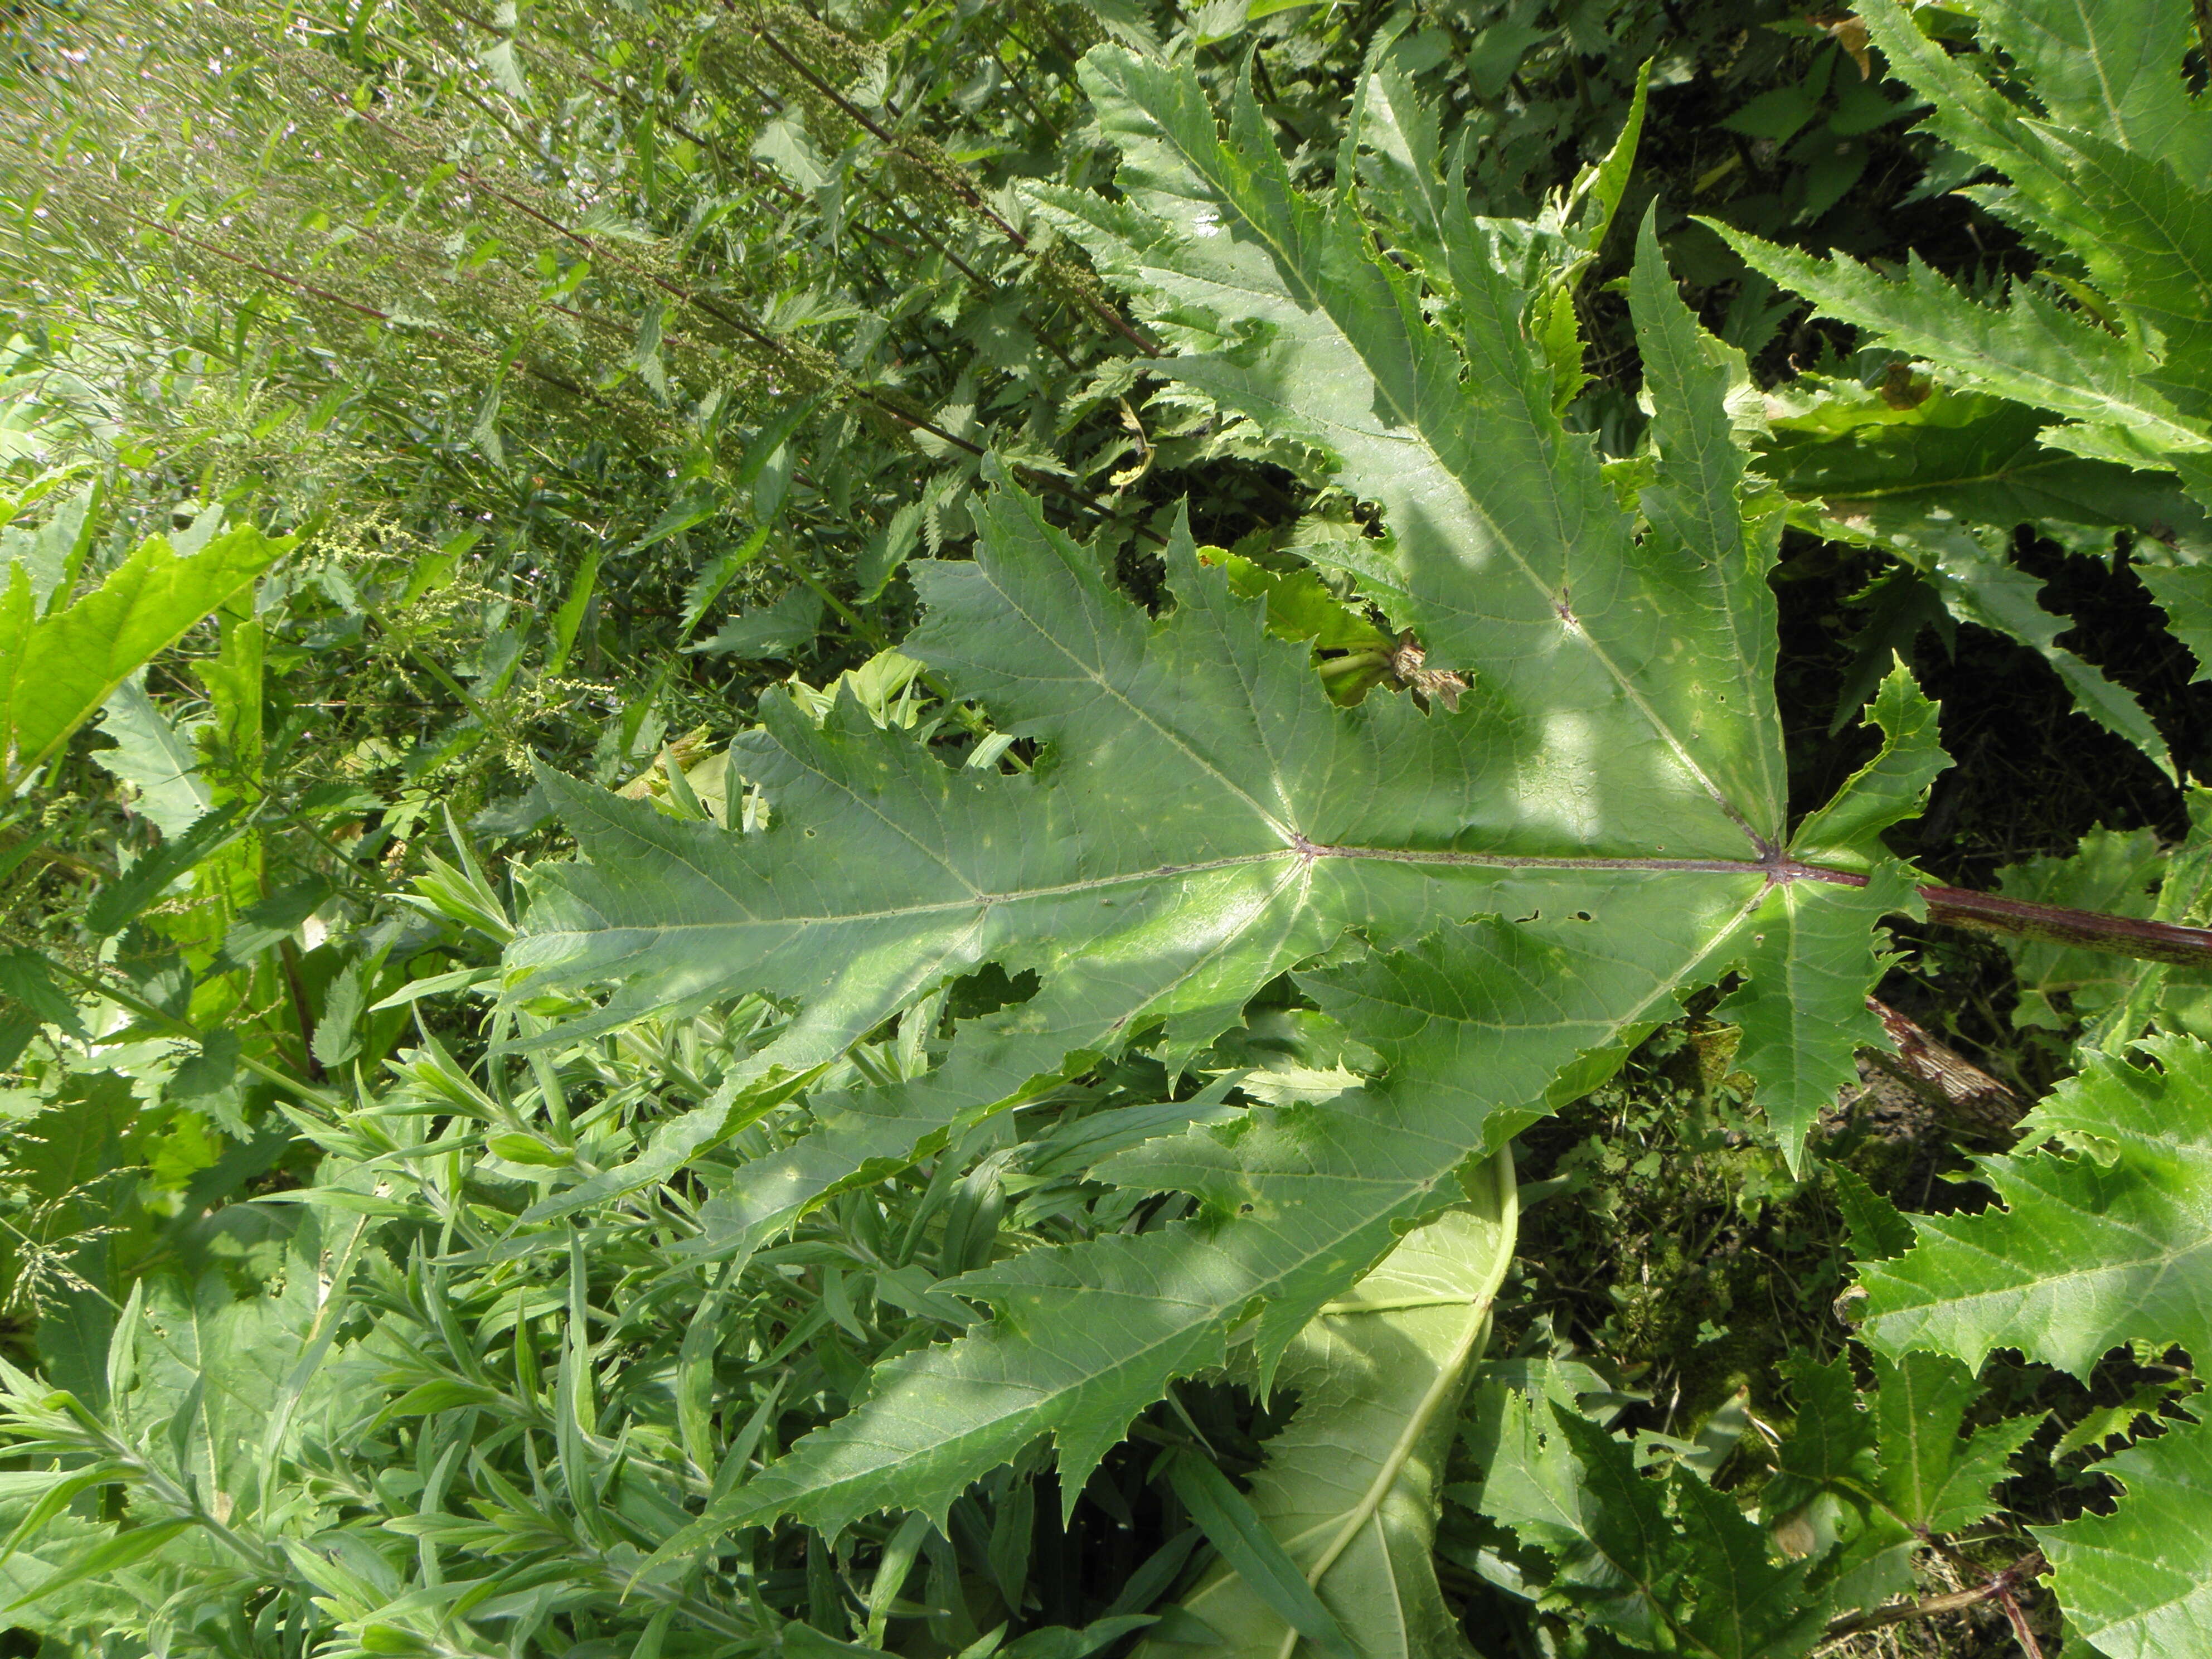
(2088, 930)
(2000, 1586)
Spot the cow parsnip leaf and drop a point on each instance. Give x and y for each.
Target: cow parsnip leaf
(2106, 1242)
(2121, 873)
(2184, 594)
(1881, 467)
(2109, 176)
(1508, 555)
(1481, 1028)
(1562, 1485)
(2029, 350)
(1538, 876)
(1832, 1441)
(215, 1367)
(1865, 1482)
(1350, 1488)
(1978, 585)
(2138, 1583)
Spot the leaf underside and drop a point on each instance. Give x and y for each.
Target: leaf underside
(1350, 1488)
(1536, 878)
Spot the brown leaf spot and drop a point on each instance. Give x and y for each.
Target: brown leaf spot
(1406, 662)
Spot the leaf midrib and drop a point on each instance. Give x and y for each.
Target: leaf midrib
(1774, 873)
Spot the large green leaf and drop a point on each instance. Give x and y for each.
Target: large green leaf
(2119, 873)
(1349, 1488)
(57, 669)
(2101, 1244)
(1940, 484)
(211, 1366)
(2184, 594)
(2111, 871)
(1536, 876)
(1963, 565)
(76, 1158)
(1481, 1028)
(2138, 1583)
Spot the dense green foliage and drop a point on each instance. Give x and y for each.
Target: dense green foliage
(1061, 829)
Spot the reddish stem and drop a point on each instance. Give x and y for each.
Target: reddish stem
(2090, 930)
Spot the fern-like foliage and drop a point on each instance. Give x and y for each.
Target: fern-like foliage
(1499, 900)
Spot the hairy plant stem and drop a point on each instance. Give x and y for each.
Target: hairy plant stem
(2089, 930)
(753, 170)
(721, 312)
(2001, 1587)
(559, 382)
(968, 193)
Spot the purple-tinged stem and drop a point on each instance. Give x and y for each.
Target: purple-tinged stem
(2091, 930)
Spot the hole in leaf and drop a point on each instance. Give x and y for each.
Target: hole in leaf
(988, 989)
